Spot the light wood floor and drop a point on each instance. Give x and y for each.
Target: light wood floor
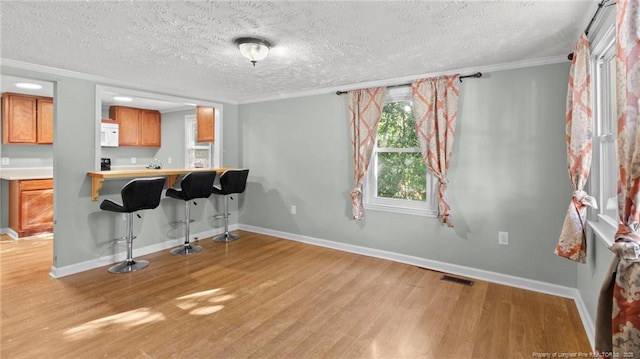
(264, 297)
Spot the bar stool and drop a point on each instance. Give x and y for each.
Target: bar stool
(231, 181)
(194, 185)
(137, 194)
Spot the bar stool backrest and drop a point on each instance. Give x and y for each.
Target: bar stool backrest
(142, 193)
(198, 184)
(233, 181)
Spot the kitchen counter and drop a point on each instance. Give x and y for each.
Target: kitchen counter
(12, 174)
(98, 177)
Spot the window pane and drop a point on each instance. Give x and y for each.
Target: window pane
(397, 126)
(198, 154)
(401, 175)
(610, 179)
(609, 112)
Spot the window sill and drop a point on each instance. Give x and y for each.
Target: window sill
(402, 210)
(604, 230)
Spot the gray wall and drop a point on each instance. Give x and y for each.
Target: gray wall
(508, 173)
(82, 232)
(27, 155)
(591, 274)
(173, 139)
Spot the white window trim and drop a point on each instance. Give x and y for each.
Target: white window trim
(603, 46)
(371, 201)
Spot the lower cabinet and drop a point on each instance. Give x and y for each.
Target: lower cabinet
(31, 206)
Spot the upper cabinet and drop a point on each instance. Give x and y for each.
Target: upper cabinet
(45, 120)
(205, 118)
(137, 127)
(150, 128)
(27, 119)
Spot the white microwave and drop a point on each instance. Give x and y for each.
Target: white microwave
(109, 135)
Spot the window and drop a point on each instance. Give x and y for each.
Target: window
(605, 161)
(197, 155)
(397, 179)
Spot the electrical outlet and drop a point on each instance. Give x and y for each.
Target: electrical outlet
(5, 161)
(503, 238)
(293, 209)
(169, 160)
(133, 160)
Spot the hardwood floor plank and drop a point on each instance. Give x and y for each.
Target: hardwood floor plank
(265, 297)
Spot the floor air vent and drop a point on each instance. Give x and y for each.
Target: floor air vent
(457, 280)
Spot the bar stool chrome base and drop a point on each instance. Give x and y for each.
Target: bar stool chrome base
(185, 250)
(226, 237)
(128, 266)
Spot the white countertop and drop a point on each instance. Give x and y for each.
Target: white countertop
(26, 173)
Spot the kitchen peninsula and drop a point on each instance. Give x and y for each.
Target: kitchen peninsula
(98, 177)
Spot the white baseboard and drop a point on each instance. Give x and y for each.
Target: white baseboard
(137, 252)
(587, 321)
(10, 232)
(493, 277)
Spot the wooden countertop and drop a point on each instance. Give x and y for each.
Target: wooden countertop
(98, 177)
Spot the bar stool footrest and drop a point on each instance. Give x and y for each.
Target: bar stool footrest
(175, 223)
(121, 240)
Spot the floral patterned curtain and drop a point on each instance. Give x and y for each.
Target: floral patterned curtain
(435, 106)
(620, 296)
(365, 110)
(573, 240)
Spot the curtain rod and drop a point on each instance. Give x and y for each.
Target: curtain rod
(593, 19)
(476, 75)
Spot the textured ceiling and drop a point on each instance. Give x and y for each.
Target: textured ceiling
(187, 48)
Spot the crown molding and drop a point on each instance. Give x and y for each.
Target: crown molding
(402, 80)
(103, 80)
(283, 96)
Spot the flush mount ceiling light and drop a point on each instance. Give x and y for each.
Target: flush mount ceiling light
(122, 99)
(252, 48)
(28, 85)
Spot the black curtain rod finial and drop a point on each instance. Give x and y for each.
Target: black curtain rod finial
(476, 75)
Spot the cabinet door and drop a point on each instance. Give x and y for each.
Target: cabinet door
(36, 209)
(31, 206)
(129, 124)
(205, 118)
(150, 128)
(45, 120)
(18, 118)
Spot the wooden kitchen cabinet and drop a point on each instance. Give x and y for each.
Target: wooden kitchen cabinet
(26, 119)
(150, 129)
(137, 127)
(31, 206)
(205, 124)
(45, 120)
(128, 124)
